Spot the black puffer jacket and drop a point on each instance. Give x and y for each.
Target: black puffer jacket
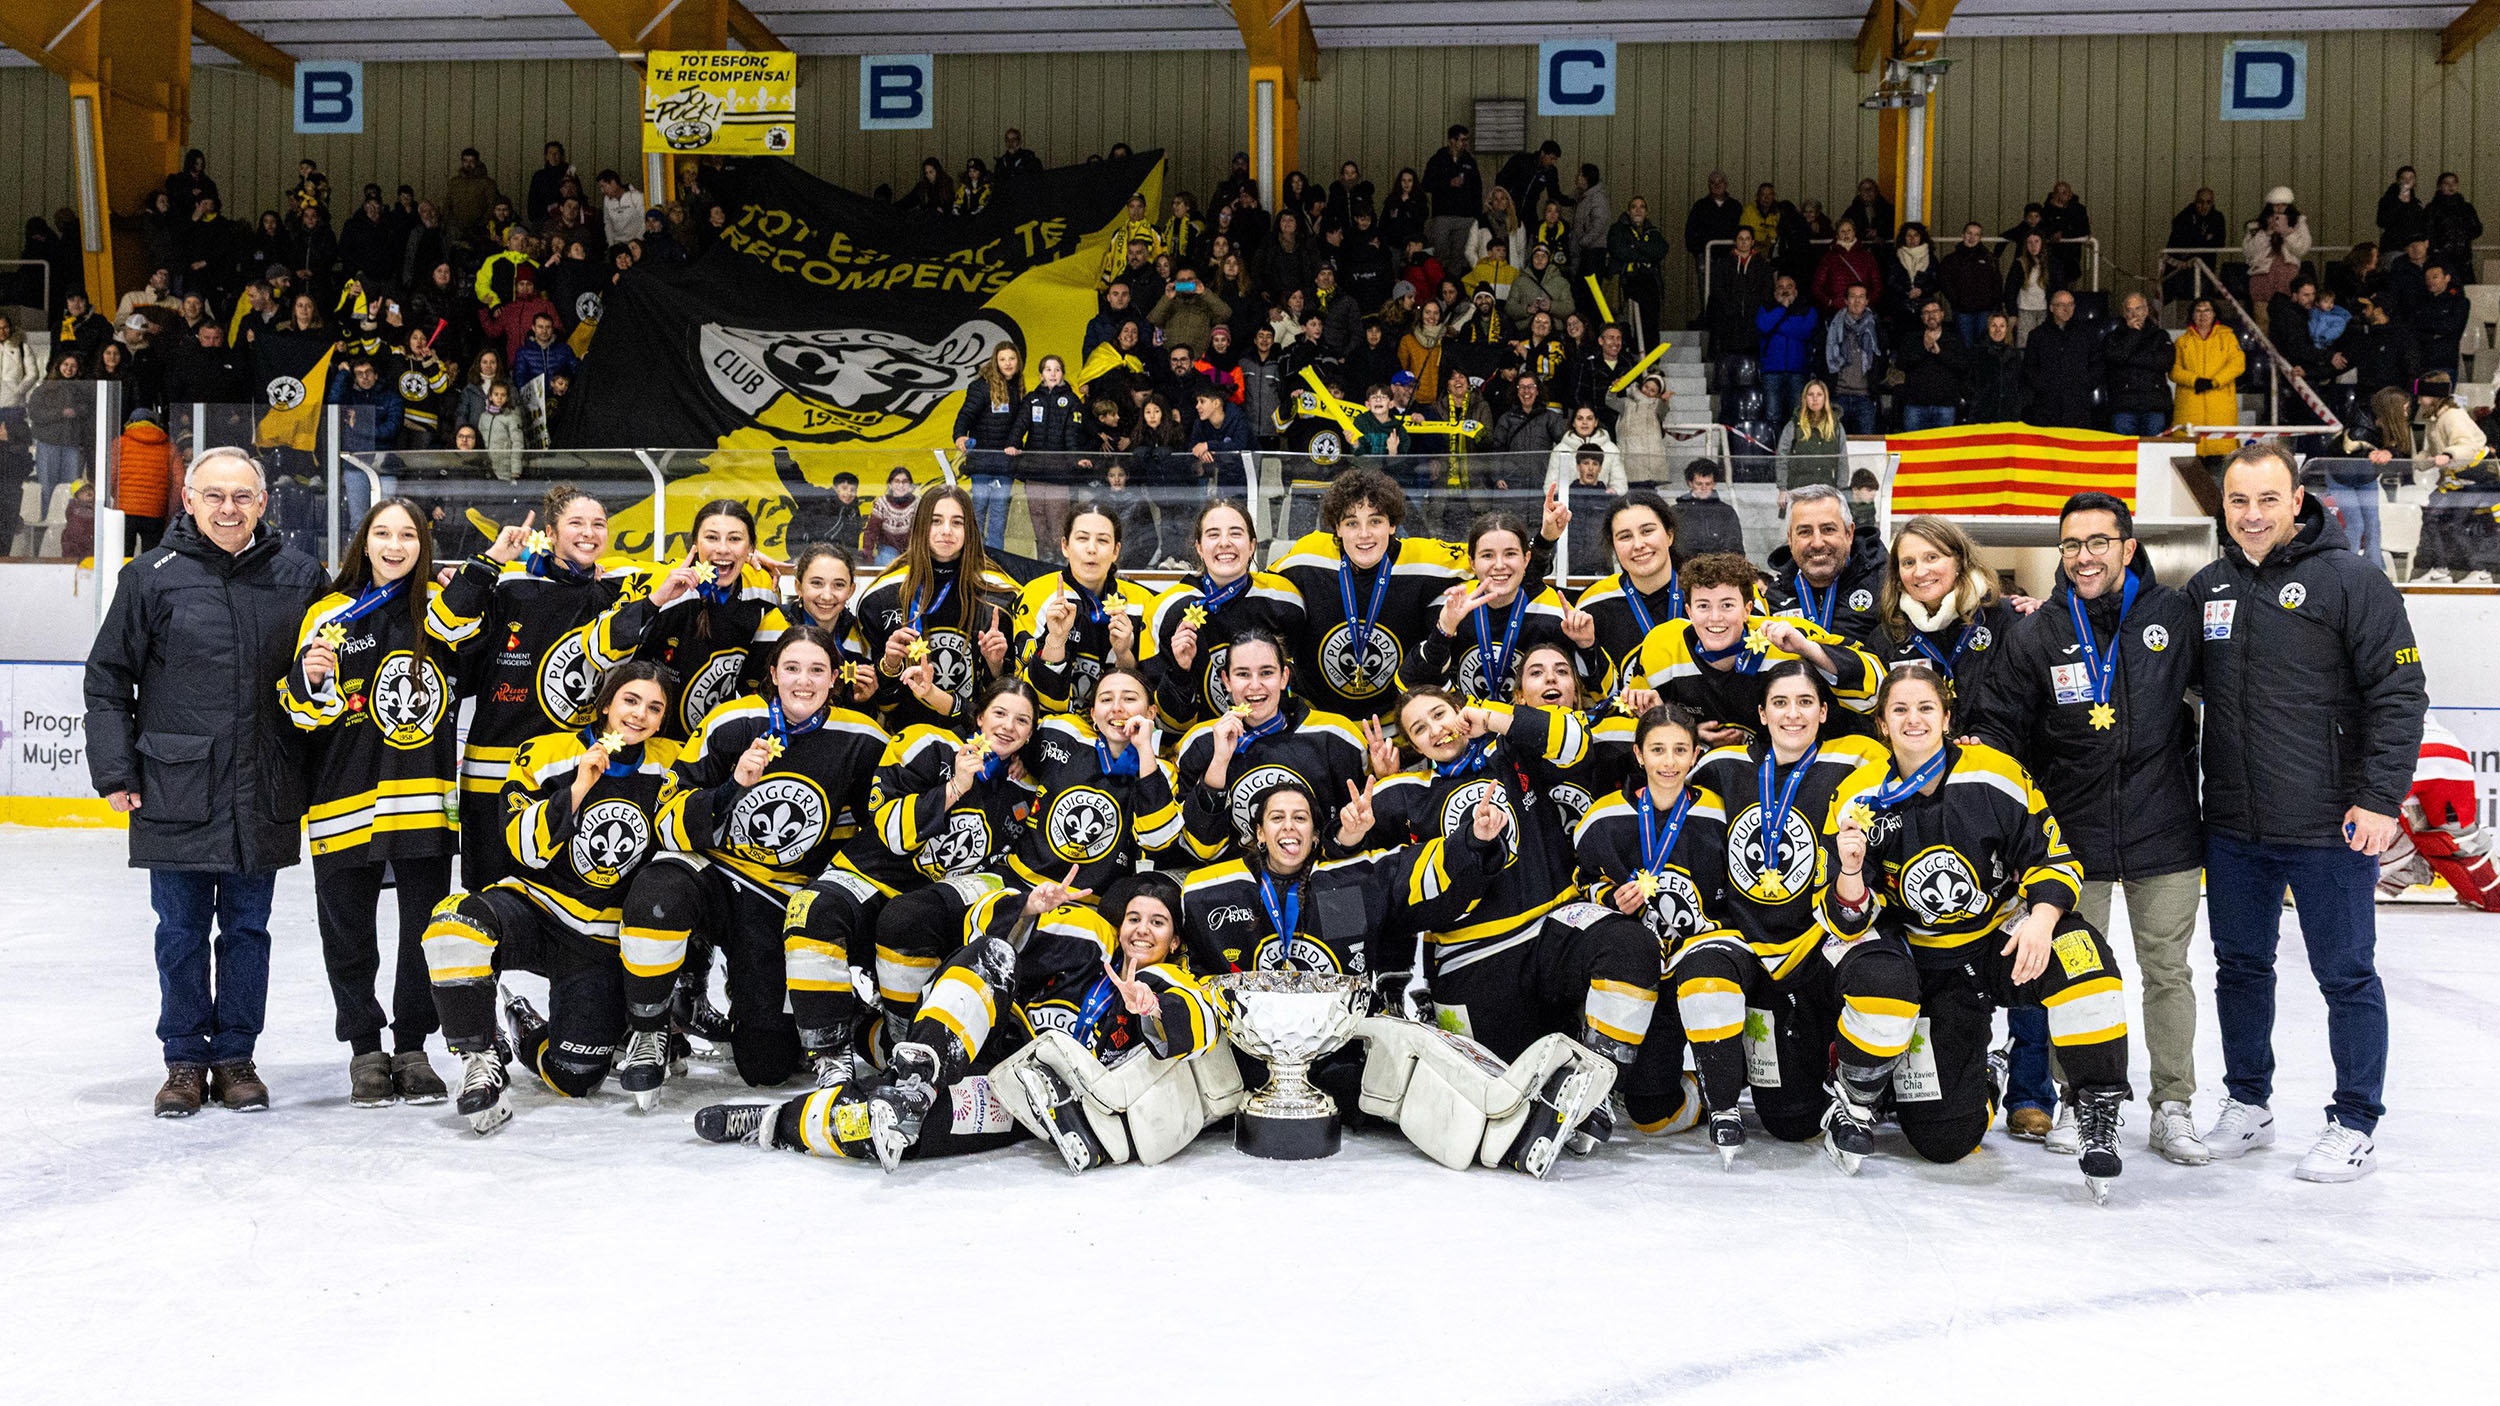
(2313, 688)
(2136, 364)
(1861, 588)
(2125, 795)
(182, 702)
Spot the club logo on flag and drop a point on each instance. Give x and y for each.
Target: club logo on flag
(851, 383)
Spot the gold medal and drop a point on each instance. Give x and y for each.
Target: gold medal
(774, 747)
(1194, 617)
(2104, 717)
(333, 634)
(611, 742)
(1758, 640)
(1239, 710)
(537, 542)
(1647, 883)
(916, 651)
(1861, 815)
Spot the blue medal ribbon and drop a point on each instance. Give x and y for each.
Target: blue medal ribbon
(2104, 671)
(1820, 612)
(778, 727)
(1901, 788)
(1466, 762)
(1212, 598)
(1097, 1002)
(1364, 624)
(1640, 608)
(1119, 764)
(1775, 821)
(1497, 663)
(1284, 917)
(1747, 662)
(921, 611)
(1944, 663)
(1252, 732)
(372, 600)
(1654, 847)
(1090, 601)
(548, 566)
(715, 591)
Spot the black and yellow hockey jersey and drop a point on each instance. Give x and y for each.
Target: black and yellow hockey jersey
(1068, 686)
(1728, 691)
(575, 864)
(1489, 641)
(1949, 869)
(535, 647)
(952, 620)
(1355, 916)
(1772, 884)
(386, 764)
(1625, 615)
(1330, 666)
(780, 832)
(1689, 890)
(1440, 801)
(1259, 600)
(715, 644)
(1097, 812)
(1321, 750)
(1079, 1000)
(425, 392)
(914, 836)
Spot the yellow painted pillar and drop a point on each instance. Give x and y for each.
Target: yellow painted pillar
(1282, 52)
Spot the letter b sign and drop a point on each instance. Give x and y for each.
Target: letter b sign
(330, 97)
(895, 92)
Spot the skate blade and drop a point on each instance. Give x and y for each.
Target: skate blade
(2101, 1187)
(1074, 1152)
(1539, 1159)
(884, 1139)
(489, 1120)
(1847, 1162)
(1727, 1157)
(646, 1099)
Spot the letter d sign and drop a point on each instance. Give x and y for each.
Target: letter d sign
(895, 92)
(330, 97)
(2265, 80)
(1575, 78)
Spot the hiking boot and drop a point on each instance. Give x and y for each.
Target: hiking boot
(413, 1075)
(369, 1081)
(237, 1085)
(184, 1090)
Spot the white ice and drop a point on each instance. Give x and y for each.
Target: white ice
(590, 1254)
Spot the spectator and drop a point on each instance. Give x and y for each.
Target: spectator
(1533, 176)
(934, 191)
(203, 370)
(1914, 277)
(1406, 215)
(367, 252)
(1189, 311)
(501, 427)
(1870, 212)
(1967, 277)
(972, 193)
(2356, 275)
(2198, 225)
(1740, 287)
(17, 465)
(2403, 214)
(1931, 371)
(369, 419)
(1813, 447)
(1705, 522)
(1848, 261)
(1016, 160)
(81, 329)
(1419, 352)
(2458, 539)
(2438, 325)
(2061, 366)
(510, 325)
(1222, 436)
(2278, 239)
(1787, 328)
(2030, 282)
(2282, 810)
(887, 529)
(145, 474)
(1499, 243)
(157, 292)
(192, 183)
(1456, 189)
(1640, 415)
(1803, 241)
(2287, 321)
(2205, 367)
(2135, 367)
(185, 736)
(2364, 452)
(1526, 433)
(2380, 353)
(21, 368)
(1853, 354)
(467, 197)
(2407, 281)
(1541, 283)
(547, 185)
(1592, 217)
(62, 410)
(988, 431)
(1636, 255)
(1585, 433)
(1770, 218)
(1286, 261)
(620, 209)
(424, 245)
(1185, 234)
(2064, 220)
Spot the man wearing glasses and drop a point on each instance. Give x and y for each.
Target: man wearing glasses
(184, 736)
(2104, 726)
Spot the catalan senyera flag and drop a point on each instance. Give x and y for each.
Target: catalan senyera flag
(2007, 470)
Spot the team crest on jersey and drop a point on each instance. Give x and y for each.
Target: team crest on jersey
(777, 821)
(1940, 888)
(565, 683)
(609, 840)
(1252, 788)
(844, 383)
(2292, 595)
(1361, 677)
(1083, 824)
(409, 700)
(1219, 697)
(587, 307)
(1573, 802)
(1458, 810)
(1861, 599)
(712, 685)
(412, 385)
(1050, 1015)
(964, 842)
(950, 661)
(1798, 851)
(1299, 954)
(1981, 638)
(1676, 912)
(1084, 673)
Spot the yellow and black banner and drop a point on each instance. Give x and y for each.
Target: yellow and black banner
(720, 102)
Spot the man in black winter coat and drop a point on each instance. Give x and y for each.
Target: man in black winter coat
(2378, 351)
(1828, 571)
(1705, 522)
(2438, 325)
(2135, 371)
(185, 736)
(2111, 741)
(2061, 365)
(2313, 723)
(2198, 225)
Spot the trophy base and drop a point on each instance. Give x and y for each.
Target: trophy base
(1299, 1139)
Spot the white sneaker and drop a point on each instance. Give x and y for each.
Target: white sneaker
(2436, 576)
(2240, 1128)
(2064, 1139)
(2340, 1154)
(2478, 578)
(2174, 1136)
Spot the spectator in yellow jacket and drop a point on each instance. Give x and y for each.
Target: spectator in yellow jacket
(2205, 366)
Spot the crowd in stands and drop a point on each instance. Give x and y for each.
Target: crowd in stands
(1506, 307)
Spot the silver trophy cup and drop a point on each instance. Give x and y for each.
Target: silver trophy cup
(1289, 1019)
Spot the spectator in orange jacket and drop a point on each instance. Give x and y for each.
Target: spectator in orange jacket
(146, 478)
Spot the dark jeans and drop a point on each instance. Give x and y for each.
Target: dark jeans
(1973, 327)
(1857, 413)
(2027, 1083)
(1926, 417)
(1780, 390)
(2244, 883)
(2143, 424)
(211, 1008)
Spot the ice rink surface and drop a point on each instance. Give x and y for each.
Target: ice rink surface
(320, 1252)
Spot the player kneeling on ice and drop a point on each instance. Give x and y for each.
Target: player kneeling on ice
(1102, 1060)
(582, 814)
(1951, 846)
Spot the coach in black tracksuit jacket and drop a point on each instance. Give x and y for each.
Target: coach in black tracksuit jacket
(2125, 794)
(2313, 721)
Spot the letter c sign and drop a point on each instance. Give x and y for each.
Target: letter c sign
(1575, 78)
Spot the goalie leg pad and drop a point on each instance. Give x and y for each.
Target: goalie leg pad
(1451, 1097)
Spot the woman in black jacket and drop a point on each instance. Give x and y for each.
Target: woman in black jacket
(1403, 213)
(1286, 260)
(1995, 372)
(990, 430)
(1054, 431)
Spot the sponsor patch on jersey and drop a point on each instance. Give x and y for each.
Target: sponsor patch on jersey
(977, 1107)
(1861, 599)
(2218, 617)
(2156, 638)
(2075, 953)
(2073, 683)
(1981, 638)
(1762, 1051)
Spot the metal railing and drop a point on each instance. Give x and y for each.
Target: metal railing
(2090, 242)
